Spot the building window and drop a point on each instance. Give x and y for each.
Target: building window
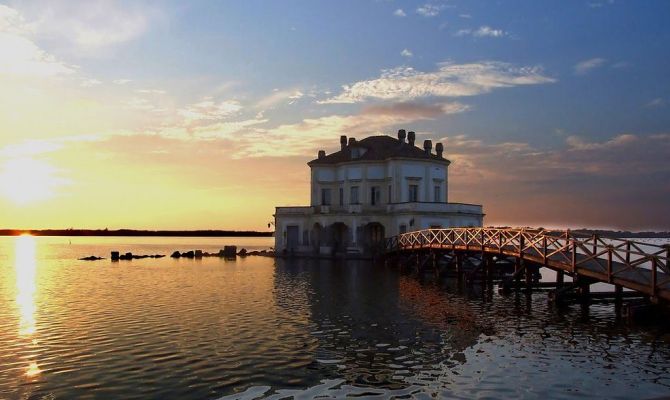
(325, 197)
(353, 195)
(390, 198)
(375, 195)
(341, 196)
(403, 228)
(438, 192)
(413, 193)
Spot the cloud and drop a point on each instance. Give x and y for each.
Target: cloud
(399, 13)
(579, 144)
(20, 56)
(655, 103)
(279, 96)
(121, 81)
(92, 25)
(586, 66)
(304, 137)
(429, 10)
(406, 53)
(90, 82)
(482, 31)
(150, 91)
(599, 4)
(466, 16)
(209, 110)
(416, 111)
(450, 80)
(485, 31)
(142, 104)
(578, 184)
(227, 130)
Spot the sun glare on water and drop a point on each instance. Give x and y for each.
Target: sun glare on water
(26, 274)
(26, 180)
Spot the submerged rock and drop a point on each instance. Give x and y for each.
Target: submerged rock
(91, 258)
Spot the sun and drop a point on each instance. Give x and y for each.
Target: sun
(25, 180)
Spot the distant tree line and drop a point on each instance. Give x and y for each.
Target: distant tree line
(131, 232)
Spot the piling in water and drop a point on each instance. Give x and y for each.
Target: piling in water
(230, 251)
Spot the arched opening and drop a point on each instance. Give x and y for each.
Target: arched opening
(373, 236)
(340, 237)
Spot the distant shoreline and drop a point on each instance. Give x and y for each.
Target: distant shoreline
(229, 233)
(132, 232)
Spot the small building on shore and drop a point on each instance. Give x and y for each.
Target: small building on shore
(371, 189)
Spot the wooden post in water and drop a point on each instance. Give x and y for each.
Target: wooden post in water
(459, 264)
(518, 265)
(529, 277)
(618, 290)
(584, 289)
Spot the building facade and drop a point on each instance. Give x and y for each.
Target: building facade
(369, 190)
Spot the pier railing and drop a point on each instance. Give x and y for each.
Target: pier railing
(636, 265)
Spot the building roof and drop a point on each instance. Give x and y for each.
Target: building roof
(378, 148)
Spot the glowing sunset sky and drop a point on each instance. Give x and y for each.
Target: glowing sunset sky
(202, 115)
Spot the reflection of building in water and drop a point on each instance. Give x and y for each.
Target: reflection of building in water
(450, 314)
(371, 189)
(361, 323)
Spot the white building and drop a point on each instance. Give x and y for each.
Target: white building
(371, 189)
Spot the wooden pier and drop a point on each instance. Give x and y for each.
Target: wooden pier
(506, 255)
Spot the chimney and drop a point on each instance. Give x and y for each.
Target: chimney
(352, 141)
(343, 141)
(322, 154)
(411, 136)
(427, 146)
(401, 136)
(439, 148)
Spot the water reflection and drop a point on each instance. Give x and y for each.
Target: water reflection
(25, 266)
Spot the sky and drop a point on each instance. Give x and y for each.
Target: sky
(203, 115)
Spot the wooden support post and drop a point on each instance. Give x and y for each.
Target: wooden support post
(489, 268)
(609, 264)
(574, 255)
(654, 272)
(560, 277)
(416, 261)
(459, 264)
(518, 265)
(529, 277)
(618, 290)
(595, 244)
(584, 289)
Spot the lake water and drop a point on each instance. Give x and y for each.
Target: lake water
(211, 329)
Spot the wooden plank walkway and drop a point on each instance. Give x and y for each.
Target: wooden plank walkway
(638, 266)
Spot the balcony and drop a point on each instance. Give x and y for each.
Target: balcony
(302, 210)
(452, 208)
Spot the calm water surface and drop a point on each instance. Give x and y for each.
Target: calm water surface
(210, 329)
